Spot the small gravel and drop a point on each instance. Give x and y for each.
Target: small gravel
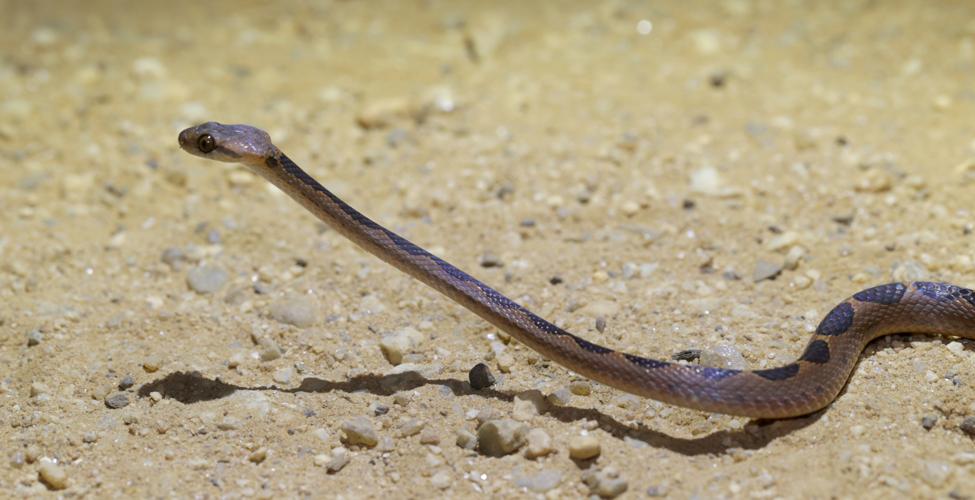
(765, 270)
(52, 474)
(126, 382)
(397, 344)
(296, 310)
(173, 257)
(359, 431)
(968, 426)
(284, 375)
(722, 356)
(606, 483)
(430, 436)
(929, 421)
(529, 404)
(541, 482)
(206, 279)
(340, 458)
(153, 364)
(410, 427)
(539, 444)
(441, 480)
(257, 456)
(34, 337)
(501, 437)
(117, 400)
(580, 388)
(584, 447)
(489, 259)
(480, 377)
(466, 439)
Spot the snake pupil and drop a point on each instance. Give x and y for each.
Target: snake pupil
(206, 143)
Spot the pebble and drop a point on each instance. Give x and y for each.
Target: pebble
(359, 431)
(539, 444)
(723, 356)
(397, 344)
(909, 271)
(600, 324)
(173, 257)
(765, 270)
(968, 426)
(340, 458)
(480, 377)
(429, 436)
(561, 397)
(501, 437)
(410, 427)
(34, 337)
(283, 375)
(584, 447)
(541, 482)
(529, 404)
(929, 421)
(257, 456)
(466, 439)
(505, 362)
(117, 400)
(606, 482)
(126, 382)
(707, 181)
(206, 279)
(781, 241)
(153, 364)
(52, 474)
(580, 388)
(441, 480)
(296, 310)
(489, 259)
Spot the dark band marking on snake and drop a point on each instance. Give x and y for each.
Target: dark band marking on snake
(808, 384)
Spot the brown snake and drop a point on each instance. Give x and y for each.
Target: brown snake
(798, 388)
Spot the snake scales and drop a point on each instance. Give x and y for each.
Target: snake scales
(798, 388)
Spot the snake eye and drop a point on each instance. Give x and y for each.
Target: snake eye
(206, 143)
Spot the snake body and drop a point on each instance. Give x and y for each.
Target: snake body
(803, 386)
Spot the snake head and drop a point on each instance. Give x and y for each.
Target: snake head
(229, 143)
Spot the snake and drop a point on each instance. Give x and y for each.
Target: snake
(808, 384)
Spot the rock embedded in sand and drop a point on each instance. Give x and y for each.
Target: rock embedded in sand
(501, 437)
(296, 310)
(480, 377)
(52, 474)
(359, 431)
(206, 279)
(606, 483)
(541, 482)
(117, 400)
(397, 344)
(584, 447)
(539, 444)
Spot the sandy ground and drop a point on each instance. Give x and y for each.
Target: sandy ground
(631, 164)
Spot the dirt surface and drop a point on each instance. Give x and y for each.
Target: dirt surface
(176, 327)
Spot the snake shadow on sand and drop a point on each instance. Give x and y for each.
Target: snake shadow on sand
(193, 387)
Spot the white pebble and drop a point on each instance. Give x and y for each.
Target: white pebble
(52, 474)
(543, 481)
(340, 457)
(584, 447)
(395, 345)
(297, 310)
(441, 480)
(606, 483)
(206, 279)
(359, 430)
(501, 437)
(539, 444)
(723, 356)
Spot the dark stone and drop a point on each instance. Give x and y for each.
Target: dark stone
(480, 377)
